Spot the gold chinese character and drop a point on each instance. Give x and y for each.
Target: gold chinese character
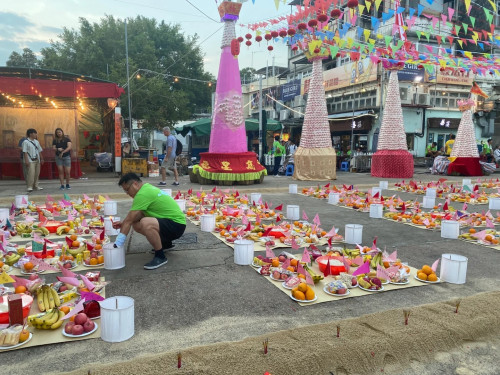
(225, 166)
(250, 165)
(205, 165)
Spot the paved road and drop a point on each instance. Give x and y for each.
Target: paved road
(202, 297)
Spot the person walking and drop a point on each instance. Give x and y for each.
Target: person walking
(278, 151)
(496, 154)
(169, 161)
(153, 214)
(62, 146)
(32, 159)
(487, 151)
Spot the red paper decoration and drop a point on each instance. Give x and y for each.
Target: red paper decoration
(313, 23)
(270, 48)
(268, 37)
(258, 38)
(302, 26)
(248, 43)
(291, 32)
(274, 34)
(336, 13)
(295, 48)
(352, 4)
(235, 47)
(317, 50)
(322, 18)
(240, 39)
(283, 33)
(248, 36)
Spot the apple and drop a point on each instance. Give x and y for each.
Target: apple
(282, 258)
(342, 291)
(276, 275)
(284, 276)
(68, 328)
(77, 330)
(67, 265)
(86, 231)
(88, 326)
(260, 257)
(80, 319)
(354, 281)
(62, 288)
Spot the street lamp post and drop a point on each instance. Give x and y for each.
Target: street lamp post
(131, 135)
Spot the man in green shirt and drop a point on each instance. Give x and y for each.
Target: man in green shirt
(278, 151)
(153, 214)
(431, 150)
(487, 151)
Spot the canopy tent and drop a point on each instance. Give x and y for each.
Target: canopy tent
(203, 126)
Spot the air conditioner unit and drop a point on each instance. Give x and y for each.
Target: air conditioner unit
(272, 114)
(423, 99)
(284, 114)
(405, 95)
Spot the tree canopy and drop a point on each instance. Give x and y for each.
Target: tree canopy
(28, 59)
(158, 52)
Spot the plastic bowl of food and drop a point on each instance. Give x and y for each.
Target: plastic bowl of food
(53, 225)
(4, 308)
(336, 266)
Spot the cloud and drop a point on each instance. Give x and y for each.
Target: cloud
(51, 30)
(7, 47)
(11, 24)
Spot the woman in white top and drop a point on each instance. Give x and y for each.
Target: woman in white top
(32, 152)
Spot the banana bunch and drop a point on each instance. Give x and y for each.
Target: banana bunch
(95, 223)
(23, 228)
(62, 229)
(252, 236)
(51, 319)
(376, 260)
(77, 251)
(12, 258)
(32, 208)
(352, 253)
(316, 278)
(47, 298)
(42, 231)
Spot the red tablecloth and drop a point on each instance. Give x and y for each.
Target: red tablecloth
(48, 170)
(465, 167)
(392, 164)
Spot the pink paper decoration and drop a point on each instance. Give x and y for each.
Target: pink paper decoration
(316, 220)
(382, 273)
(306, 258)
(78, 308)
(295, 246)
(69, 280)
(365, 268)
(465, 141)
(89, 284)
(327, 270)
(91, 296)
(286, 264)
(269, 252)
(304, 216)
(435, 265)
(332, 232)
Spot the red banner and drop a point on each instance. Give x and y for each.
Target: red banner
(242, 162)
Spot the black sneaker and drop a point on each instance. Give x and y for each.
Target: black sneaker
(155, 263)
(68, 187)
(162, 183)
(62, 187)
(175, 183)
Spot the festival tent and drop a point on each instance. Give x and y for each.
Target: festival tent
(204, 125)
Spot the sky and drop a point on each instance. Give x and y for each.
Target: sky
(34, 23)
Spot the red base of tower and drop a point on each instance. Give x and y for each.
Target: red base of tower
(465, 167)
(392, 164)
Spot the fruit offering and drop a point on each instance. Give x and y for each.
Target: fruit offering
(336, 287)
(82, 324)
(281, 274)
(12, 335)
(348, 280)
(370, 283)
(47, 298)
(51, 319)
(426, 273)
(303, 292)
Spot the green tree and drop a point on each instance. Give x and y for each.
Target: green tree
(158, 52)
(28, 59)
(247, 75)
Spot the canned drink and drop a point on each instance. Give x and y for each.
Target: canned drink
(86, 254)
(79, 258)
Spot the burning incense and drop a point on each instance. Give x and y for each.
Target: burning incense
(407, 315)
(338, 331)
(179, 360)
(457, 305)
(265, 343)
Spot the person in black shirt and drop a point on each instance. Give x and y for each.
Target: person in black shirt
(62, 146)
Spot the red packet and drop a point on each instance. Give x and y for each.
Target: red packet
(93, 276)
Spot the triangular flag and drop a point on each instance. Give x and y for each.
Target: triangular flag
(4, 278)
(306, 258)
(489, 224)
(294, 244)
(365, 268)
(78, 307)
(269, 252)
(304, 216)
(382, 273)
(316, 220)
(89, 284)
(91, 296)
(69, 280)
(286, 264)
(328, 269)
(435, 265)
(279, 208)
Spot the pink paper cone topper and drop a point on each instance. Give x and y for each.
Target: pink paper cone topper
(78, 308)
(304, 216)
(365, 268)
(305, 256)
(382, 273)
(91, 296)
(435, 265)
(309, 279)
(489, 224)
(332, 232)
(89, 284)
(69, 280)
(269, 252)
(67, 273)
(295, 245)
(316, 220)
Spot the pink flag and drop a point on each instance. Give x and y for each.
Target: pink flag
(489, 224)
(42, 266)
(85, 196)
(464, 207)
(316, 220)
(346, 263)
(390, 258)
(269, 252)
(382, 273)
(306, 258)
(91, 296)
(286, 264)
(94, 213)
(365, 268)
(20, 281)
(84, 222)
(244, 220)
(435, 265)
(304, 216)
(295, 246)
(374, 245)
(69, 280)
(78, 307)
(309, 279)
(89, 284)
(24, 201)
(332, 232)
(67, 273)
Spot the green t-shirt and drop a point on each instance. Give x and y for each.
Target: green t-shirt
(431, 148)
(486, 149)
(155, 203)
(278, 148)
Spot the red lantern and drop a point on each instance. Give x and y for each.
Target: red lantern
(258, 38)
(248, 43)
(270, 48)
(336, 13)
(295, 48)
(275, 34)
(248, 36)
(313, 23)
(283, 33)
(268, 37)
(420, 66)
(291, 32)
(352, 4)
(302, 26)
(240, 39)
(317, 50)
(322, 18)
(442, 69)
(235, 47)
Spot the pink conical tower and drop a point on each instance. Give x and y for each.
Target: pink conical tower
(392, 158)
(464, 154)
(228, 159)
(315, 158)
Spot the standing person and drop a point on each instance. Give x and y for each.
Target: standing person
(169, 161)
(32, 159)
(448, 146)
(496, 154)
(292, 148)
(62, 146)
(153, 214)
(278, 151)
(20, 147)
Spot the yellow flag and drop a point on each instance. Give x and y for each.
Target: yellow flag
(467, 5)
(341, 43)
(468, 54)
(361, 8)
(4, 278)
(350, 41)
(366, 33)
(493, 5)
(368, 5)
(277, 3)
(377, 4)
(380, 36)
(442, 63)
(102, 199)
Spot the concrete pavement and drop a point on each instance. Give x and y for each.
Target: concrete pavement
(201, 297)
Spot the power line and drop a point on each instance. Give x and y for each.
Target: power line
(202, 12)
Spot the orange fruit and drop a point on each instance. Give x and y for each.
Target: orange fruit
(291, 269)
(296, 223)
(293, 262)
(275, 262)
(472, 230)
(28, 266)
(422, 276)
(300, 276)
(84, 290)
(222, 232)
(310, 294)
(303, 287)
(100, 259)
(98, 247)
(294, 290)
(427, 270)
(24, 335)
(494, 241)
(93, 261)
(75, 244)
(1, 264)
(234, 234)
(66, 230)
(386, 264)
(432, 277)
(323, 233)
(20, 289)
(299, 295)
(73, 237)
(488, 237)
(72, 319)
(64, 309)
